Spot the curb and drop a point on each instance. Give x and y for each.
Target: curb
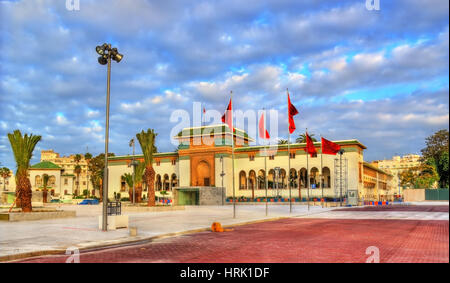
(29, 255)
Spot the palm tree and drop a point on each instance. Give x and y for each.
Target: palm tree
(282, 141)
(147, 142)
(139, 180)
(22, 147)
(77, 171)
(128, 179)
(302, 138)
(87, 157)
(5, 173)
(45, 179)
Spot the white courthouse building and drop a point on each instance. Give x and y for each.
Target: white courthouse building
(204, 160)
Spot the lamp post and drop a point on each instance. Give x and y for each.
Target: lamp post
(106, 54)
(277, 174)
(341, 152)
(133, 163)
(222, 175)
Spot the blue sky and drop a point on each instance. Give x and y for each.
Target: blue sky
(378, 76)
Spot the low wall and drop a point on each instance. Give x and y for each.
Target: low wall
(410, 195)
(211, 196)
(126, 208)
(414, 195)
(29, 216)
(206, 195)
(36, 197)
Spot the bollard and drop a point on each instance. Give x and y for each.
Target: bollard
(133, 231)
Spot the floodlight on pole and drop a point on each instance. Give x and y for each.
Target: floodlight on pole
(106, 54)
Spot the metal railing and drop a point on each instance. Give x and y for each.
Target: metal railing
(114, 208)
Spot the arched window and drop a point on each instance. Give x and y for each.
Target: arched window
(314, 178)
(51, 181)
(293, 178)
(303, 177)
(38, 181)
(282, 180)
(326, 177)
(252, 180)
(158, 183)
(271, 178)
(174, 181)
(166, 182)
(242, 181)
(261, 179)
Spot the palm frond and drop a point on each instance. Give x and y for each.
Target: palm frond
(147, 142)
(23, 147)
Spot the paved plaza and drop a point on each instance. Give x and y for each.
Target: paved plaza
(82, 232)
(415, 233)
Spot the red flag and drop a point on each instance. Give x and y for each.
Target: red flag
(263, 133)
(227, 117)
(329, 147)
(204, 110)
(292, 112)
(310, 146)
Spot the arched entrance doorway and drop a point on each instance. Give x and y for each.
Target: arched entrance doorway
(203, 174)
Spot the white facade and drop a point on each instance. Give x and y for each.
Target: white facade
(189, 167)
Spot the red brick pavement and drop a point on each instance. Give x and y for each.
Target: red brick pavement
(292, 240)
(419, 208)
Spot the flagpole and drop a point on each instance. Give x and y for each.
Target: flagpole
(232, 154)
(307, 168)
(289, 156)
(321, 168)
(265, 161)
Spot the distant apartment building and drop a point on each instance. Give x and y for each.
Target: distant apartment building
(398, 164)
(8, 184)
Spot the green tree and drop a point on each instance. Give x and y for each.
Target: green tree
(87, 157)
(138, 182)
(437, 150)
(407, 178)
(5, 173)
(77, 171)
(147, 142)
(282, 141)
(419, 177)
(302, 138)
(23, 147)
(96, 166)
(128, 179)
(45, 179)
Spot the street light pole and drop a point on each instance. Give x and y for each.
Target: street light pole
(341, 152)
(222, 175)
(133, 163)
(277, 174)
(105, 172)
(106, 54)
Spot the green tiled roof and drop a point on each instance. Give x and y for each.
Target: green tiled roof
(299, 145)
(214, 129)
(159, 154)
(45, 165)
